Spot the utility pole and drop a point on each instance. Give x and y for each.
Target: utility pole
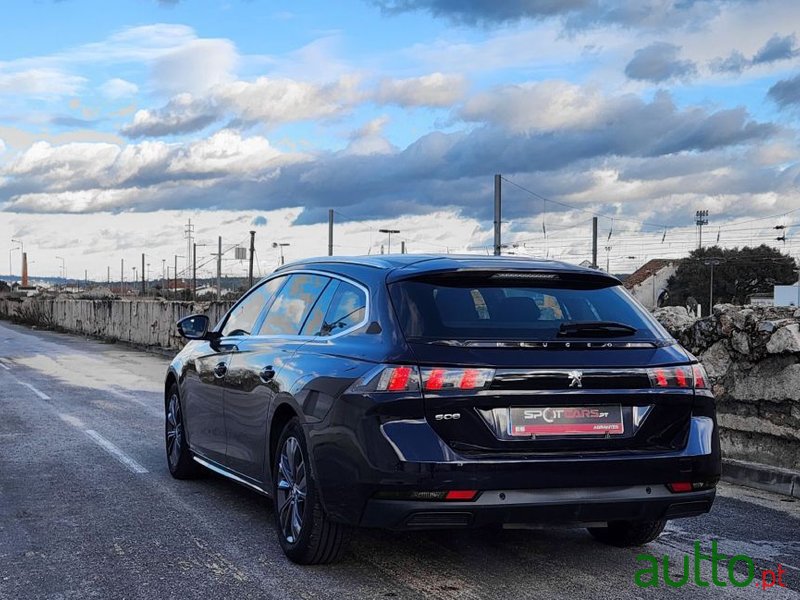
(712, 262)
(330, 232)
(188, 233)
(700, 219)
(144, 277)
(252, 255)
(121, 276)
(402, 247)
(108, 276)
(175, 273)
(219, 269)
(280, 246)
(594, 242)
(86, 278)
(497, 214)
(608, 259)
(390, 232)
(194, 271)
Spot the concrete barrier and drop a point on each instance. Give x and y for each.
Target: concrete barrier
(149, 323)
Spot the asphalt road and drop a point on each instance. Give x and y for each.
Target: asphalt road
(89, 510)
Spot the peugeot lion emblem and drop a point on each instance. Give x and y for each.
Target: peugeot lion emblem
(575, 379)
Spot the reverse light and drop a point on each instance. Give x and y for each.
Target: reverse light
(435, 379)
(686, 377)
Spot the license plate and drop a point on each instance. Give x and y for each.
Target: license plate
(566, 420)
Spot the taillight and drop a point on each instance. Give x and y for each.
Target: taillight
(686, 377)
(388, 378)
(700, 377)
(440, 378)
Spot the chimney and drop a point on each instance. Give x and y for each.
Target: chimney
(24, 269)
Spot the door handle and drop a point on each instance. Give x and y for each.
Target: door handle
(267, 373)
(220, 370)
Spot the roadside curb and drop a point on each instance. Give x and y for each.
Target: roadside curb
(772, 479)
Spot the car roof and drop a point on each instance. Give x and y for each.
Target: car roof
(404, 266)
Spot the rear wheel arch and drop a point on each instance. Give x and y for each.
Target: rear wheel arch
(280, 418)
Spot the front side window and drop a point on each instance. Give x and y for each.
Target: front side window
(244, 315)
(293, 304)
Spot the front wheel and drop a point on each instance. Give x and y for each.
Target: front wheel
(179, 457)
(625, 534)
(305, 533)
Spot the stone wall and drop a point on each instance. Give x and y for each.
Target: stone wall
(149, 323)
(752, 355)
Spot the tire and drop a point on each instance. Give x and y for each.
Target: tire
(179, 457)
(625, 534)
(306, 535)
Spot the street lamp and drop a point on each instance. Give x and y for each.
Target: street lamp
(390, 232)
(608, 258)
(63, 268)
(281, 246)
(22, 253)
(712, 262)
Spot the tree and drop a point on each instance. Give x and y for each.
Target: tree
(738, 273)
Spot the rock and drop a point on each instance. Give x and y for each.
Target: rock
(767, 326)
(674, 318)
(716, 360)
(785, 339)
(743, 317)
(740, 342)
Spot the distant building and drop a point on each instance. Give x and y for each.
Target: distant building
(648, 283)
(786, 295)
(765, 299)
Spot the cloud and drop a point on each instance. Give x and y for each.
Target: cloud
(195, 67)
(259, 221)
(786, 93)
(734, 63)
(576, 14)
(39, 82)
(777, 48)
(659, 62)
(264, 100)
(117, 88)
(434, 90)
(182, 114)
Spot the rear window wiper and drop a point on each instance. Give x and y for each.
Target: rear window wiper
(595, 328)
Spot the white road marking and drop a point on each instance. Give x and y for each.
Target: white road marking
(4, 365)
(74, 421)
(41, 395)
(115, 452)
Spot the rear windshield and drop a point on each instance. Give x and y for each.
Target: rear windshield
(482, 309)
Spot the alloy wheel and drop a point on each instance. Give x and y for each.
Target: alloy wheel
(292, 488)
(174, 430)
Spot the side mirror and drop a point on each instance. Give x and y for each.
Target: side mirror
(194, 327)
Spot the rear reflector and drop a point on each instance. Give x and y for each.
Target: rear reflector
(463, 495)
(680, 487)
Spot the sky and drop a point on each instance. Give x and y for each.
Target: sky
(120, 122)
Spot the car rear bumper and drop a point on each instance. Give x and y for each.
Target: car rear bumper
(560, 506)
(576, 488)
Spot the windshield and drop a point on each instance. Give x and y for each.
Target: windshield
(452, 309)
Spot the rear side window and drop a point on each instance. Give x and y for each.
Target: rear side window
(244, 315)
(293, 304)
(347, 309)
(482, 308)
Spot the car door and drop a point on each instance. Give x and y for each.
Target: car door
(260, 368)
(204, 401)
(201, 397)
